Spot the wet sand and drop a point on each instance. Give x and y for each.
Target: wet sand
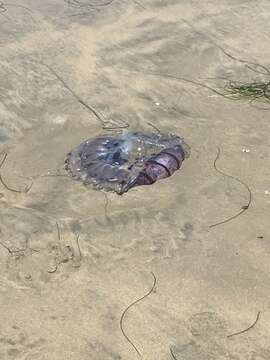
(64, 289)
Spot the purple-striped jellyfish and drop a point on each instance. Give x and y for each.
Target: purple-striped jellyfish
(124, 160)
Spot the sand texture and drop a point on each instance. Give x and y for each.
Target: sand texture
(73, 259)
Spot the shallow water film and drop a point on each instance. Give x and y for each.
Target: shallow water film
(165, 271)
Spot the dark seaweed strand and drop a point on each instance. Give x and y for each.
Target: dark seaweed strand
(230, 93)
(4, 9)
(245, 207)
(78, 245)
(87, 7)
(173, 356)
(265, 94)
(139, 4)
(253, 94)
(77, 4)
(3, 160)
(175, 77)
(247, 329)
(252, 91)
(7, 248)
(2, 4)
(246, 62)
(179, 78)
(132, 304)
(6, 186)
(17, 251)
(90, 108)
(58, 232)
(154, 127)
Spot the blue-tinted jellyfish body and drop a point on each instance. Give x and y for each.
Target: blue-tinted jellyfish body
(121, 161)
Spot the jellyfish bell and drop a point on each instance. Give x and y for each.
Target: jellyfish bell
(124, 160)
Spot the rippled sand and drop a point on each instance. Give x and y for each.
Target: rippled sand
(64, 289)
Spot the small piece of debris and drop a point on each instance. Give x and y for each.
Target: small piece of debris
(59, 120)
(245, 150)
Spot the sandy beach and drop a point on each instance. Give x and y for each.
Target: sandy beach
(163, 272)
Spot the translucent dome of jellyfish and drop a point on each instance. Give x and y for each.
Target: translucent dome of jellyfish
(120, 161)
